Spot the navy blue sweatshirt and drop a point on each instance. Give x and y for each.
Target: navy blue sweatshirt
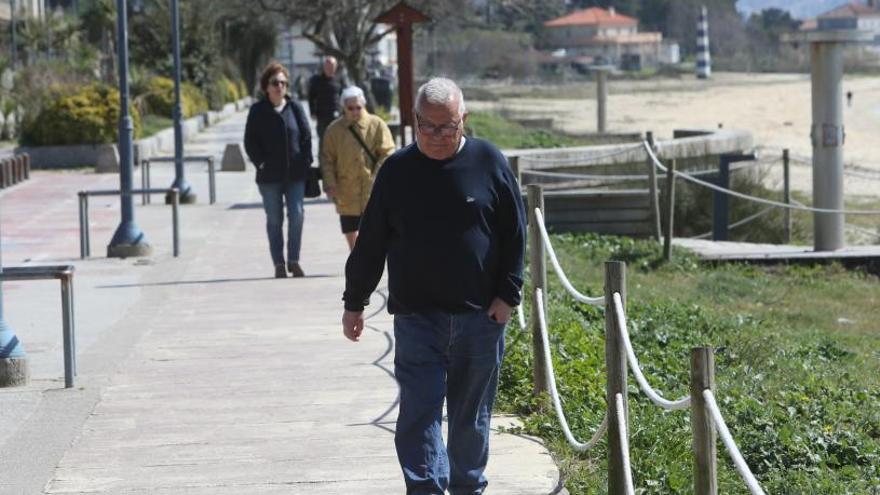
(453, 233)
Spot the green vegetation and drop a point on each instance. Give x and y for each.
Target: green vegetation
(797, 369)
(83, 115)
(507, 134)
(155, 123)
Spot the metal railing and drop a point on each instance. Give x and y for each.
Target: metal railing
(212, 181)
(85, 247)
(64, 273)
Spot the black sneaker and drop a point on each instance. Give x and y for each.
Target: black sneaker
(295, 270)
(280, 272)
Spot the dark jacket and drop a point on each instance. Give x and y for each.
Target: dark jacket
(324, 95)
(452, 232)
(278, 144)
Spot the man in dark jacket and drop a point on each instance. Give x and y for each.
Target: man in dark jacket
(324, 90)
(447, 215)
(278, 140)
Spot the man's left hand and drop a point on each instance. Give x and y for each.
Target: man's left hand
(500, 310)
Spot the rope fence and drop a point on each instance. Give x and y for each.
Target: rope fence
(729, 192)
(702, 404)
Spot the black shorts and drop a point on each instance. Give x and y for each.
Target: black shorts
(349, 223)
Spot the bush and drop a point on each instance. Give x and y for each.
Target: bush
(81, 115)
(221, 92)
(160, 98)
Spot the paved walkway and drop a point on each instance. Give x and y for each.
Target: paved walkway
(202, 374)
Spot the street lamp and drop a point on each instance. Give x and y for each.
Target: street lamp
(186, 193)
(13, 362)
(128, 240)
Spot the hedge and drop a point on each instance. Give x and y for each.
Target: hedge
(160, 98)
(87, 115)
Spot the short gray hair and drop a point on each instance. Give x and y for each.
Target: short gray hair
(440, 91)
(352, 92)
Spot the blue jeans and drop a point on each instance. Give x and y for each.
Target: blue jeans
(275, 195)
(455, 357)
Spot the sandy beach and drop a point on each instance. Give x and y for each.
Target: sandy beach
(775, 108)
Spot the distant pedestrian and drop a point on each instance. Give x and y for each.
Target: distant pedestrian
(278, 140)
(447, 214)
(849, 96)
(324, 90)
(355, 145)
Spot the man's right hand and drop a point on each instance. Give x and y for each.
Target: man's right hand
(330, 192)
(353, 324)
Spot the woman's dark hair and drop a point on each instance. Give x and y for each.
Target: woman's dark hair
(271, 70)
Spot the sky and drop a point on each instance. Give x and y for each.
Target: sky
(799, 9)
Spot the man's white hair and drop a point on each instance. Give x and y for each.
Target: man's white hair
(440, 91)
(352, 92)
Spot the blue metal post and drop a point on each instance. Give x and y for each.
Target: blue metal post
(721, 201)
(10, 347)
(128, 240)
(186, 193)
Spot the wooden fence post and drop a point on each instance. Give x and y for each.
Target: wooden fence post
(615, 362)
(652, 189)
(705, 460)
(786, 198)
(538, 272)
(670, 210)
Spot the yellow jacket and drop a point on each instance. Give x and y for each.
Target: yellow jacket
(345, 165)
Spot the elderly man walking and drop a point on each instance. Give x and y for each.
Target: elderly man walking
(447, 214)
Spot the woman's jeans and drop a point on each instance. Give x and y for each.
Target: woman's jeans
(455, 357)
(275, 195)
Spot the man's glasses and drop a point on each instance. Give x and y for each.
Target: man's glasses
(278, 83)
(445, 130)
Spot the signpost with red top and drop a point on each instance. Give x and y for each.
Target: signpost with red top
(402, 17)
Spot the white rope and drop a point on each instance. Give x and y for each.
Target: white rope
(551, 383)
(539, 217)
(521, 317)
(624, 445)
(738, 223)
(753, 198)
(652, 394)
(741, 467)
(578, 159)
(564, 175)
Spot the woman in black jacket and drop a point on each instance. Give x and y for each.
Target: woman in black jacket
(278, 141)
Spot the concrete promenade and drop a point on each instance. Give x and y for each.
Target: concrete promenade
(202, 374)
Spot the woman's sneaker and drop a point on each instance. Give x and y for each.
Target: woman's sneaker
(280, 272)
(295, 270)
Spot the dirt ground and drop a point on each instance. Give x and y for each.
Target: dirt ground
(775, 108)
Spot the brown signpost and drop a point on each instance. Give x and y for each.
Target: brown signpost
(402, 17)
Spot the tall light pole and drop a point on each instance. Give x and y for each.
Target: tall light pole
(128, 240)
(186, 193)
(12, 7)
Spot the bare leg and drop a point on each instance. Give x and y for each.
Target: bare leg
(351, 237)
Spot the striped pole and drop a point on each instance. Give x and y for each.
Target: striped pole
(704, 63)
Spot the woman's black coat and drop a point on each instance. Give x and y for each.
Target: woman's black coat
(278, 144)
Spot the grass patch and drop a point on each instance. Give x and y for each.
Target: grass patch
(155, 123)
(507, 134)
(797, 369)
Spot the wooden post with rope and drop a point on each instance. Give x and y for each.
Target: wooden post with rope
(538, 272)
(705, 455)
(615, 361)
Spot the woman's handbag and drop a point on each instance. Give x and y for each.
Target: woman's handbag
(313, 187)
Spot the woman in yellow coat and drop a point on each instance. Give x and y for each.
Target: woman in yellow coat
(354, 147)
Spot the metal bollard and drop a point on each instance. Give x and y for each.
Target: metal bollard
(83, 225)
(212, 182)
(5, 173)
(27, 165)
(67, 324)
(175, 205)
(145, 198)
